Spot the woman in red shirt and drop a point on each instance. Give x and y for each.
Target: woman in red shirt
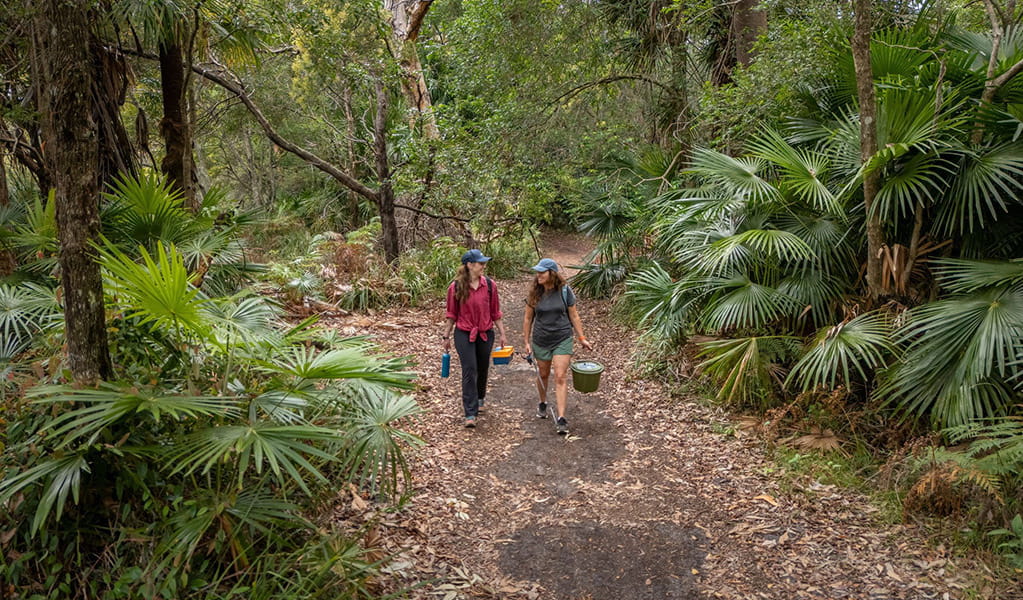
(473, 311)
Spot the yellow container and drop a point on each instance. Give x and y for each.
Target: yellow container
(502, 355)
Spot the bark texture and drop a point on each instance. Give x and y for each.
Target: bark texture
(385, 195)
(175, 127)
(748, 24)
(868, 143)
(406, 21)
(63, 64)
(742, 24)
(7, 262)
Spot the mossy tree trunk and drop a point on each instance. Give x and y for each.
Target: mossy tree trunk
(63, 65)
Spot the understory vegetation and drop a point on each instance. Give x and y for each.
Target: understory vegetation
(292, 159)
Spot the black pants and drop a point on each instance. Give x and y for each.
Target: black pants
(475, 360)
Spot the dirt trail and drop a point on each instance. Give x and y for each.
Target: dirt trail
(645, 499)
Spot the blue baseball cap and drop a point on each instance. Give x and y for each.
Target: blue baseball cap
(545, 264)
(474, 255)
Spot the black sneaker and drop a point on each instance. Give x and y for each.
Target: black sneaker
(479, 409)
(562, 425)
(541, 410)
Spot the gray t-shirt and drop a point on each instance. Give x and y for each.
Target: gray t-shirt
(551, 324)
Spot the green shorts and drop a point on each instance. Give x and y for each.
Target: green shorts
(546, 354)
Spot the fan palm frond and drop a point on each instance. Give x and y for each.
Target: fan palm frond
(95, 410)
(373, 448)
(919, 180)
(159, 290)
(60, 477)
(965, 276)
(743, 366)
(25, 310)
(609, 218)
(146, 210)
(246, 318)
(740, 303)
(346, 363)
(860, 345)
(960, 352)
(737, 176)
(659, 302)
(286, 451)
(803, 172)
(989, 180)
(816, 291)
(599, 280)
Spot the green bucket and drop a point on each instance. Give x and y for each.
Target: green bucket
(586, 375)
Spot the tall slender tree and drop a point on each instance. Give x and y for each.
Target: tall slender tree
(406, 21)
(868, 143)
(62, 62)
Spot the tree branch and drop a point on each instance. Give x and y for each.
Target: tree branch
(237, 89)
(614, 78)
(416, 19)
(431, 215)
(218, 74)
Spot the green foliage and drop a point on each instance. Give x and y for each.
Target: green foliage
(770, 87)
(860, 345)
(511, 255)
(749, 369)
(1010, 541)
(959, 355)
(198, 483)
(427, 272)
(26, 310)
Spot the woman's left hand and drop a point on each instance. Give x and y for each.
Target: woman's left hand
(586, 344)
(503, 341)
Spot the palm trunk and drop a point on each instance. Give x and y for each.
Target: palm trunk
(63, 66)
(868, 144)
(174, 127)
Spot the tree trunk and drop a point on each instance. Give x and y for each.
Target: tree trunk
(174, 127)
(350, 156)
(748, 24)
(63, 66)
(109, 89)
(406, 21)
(868, 144)
(7, 261)
(5, 194)
(385, 195)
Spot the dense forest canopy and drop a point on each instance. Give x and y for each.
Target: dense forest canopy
(820, 200)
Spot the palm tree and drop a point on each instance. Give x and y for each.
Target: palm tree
(224, 423)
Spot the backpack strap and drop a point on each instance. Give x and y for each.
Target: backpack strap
(564, 296)
(490, 288)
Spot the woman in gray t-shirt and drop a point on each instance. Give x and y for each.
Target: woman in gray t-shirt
(550, 318)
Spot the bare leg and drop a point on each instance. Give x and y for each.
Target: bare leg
(541, 383)
(561, 363)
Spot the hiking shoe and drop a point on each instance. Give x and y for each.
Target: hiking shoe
(562, 425)
(480, 407)
(541, 410)
(470, 422)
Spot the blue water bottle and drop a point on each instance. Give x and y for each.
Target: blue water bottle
(445, 365)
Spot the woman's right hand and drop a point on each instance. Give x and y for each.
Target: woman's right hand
(447, 344)
(529, 349)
